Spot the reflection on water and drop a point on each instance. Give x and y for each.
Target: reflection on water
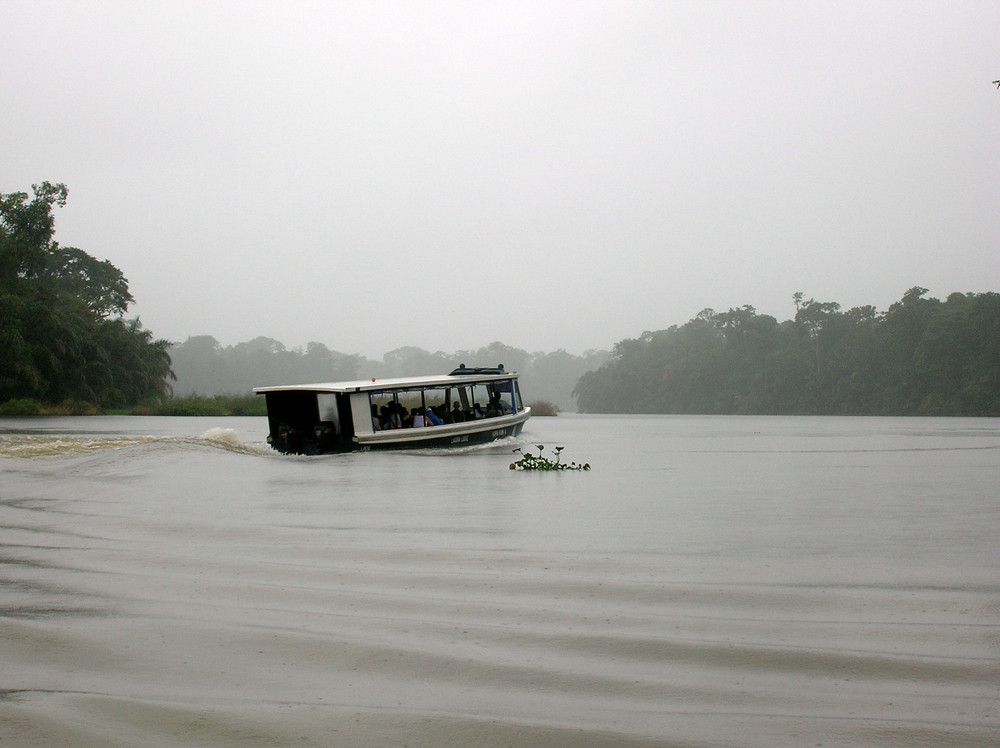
(712, 581)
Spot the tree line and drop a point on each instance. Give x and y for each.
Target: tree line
(922, 356)
(205, 367)
(63, 334)
(64, 338)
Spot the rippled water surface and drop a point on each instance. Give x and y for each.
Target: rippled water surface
(711, 582)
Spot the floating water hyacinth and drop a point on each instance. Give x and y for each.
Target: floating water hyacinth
(531, 461)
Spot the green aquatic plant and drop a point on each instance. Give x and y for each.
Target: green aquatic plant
(531, 461)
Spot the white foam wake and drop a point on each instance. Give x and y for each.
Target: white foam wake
(31, 445)
(229, 440)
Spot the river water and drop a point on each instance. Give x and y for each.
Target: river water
(712, 581)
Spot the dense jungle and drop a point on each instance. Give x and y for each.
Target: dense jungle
(922, 356)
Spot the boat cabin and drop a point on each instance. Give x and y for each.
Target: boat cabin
(468, 405)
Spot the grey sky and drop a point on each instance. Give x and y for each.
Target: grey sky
(552, 175)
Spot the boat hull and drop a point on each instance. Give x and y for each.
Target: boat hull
(451, 435)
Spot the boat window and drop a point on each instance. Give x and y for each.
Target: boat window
(327, 402)
(502, 396)
(389, 408)
(461, 396)
(435, 398)
(493, 398)
(402, 402)
(486, 399)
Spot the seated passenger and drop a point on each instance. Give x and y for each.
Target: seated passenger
(477, 412)
(431, 419)
(417, 418)
(457, 414)
(444, 414)
(493, 409)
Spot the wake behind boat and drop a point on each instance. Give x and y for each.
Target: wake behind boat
(467, 406)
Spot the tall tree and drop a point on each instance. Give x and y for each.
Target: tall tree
(62, 331)
(26, 229)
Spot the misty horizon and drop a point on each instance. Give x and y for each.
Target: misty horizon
(560, 175)
(513, 344)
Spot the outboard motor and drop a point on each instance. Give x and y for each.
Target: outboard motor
(326, 436)
(289, 439)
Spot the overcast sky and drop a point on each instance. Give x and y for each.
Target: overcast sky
(548, 174)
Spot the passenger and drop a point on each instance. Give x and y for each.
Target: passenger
(497, 406)
(477, 412)
(395, 419)
(431, 419)
(384, 419)
(457, 414)
(376, 421)
(444, 414)
(417, 418)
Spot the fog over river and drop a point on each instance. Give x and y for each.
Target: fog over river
(712, 581)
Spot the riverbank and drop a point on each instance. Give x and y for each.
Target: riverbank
(191, 405)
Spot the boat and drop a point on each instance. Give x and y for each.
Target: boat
(469, 405)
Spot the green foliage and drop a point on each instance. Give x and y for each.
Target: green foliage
(71, 407)
(29, 407)
(99, 284)
(531, 461)
(198, 405)
(62, 334)
(26, 228)
(920, 357)
(21, 406)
